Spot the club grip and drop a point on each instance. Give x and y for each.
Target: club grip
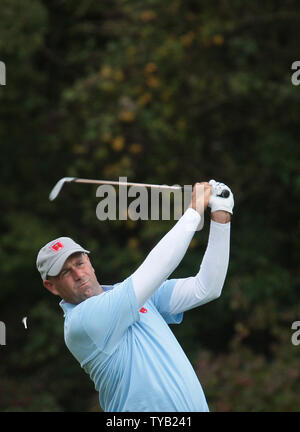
(224, 194)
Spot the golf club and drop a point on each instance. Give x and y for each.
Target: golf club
(59, 185)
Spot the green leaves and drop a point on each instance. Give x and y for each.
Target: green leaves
(161, 92)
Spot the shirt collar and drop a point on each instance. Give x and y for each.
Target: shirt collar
(66, 307)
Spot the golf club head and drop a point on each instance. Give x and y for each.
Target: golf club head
(57, 188)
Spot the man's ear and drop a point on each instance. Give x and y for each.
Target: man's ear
(50, 286)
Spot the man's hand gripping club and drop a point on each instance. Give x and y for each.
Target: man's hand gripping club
(207, 195)
(200, 197)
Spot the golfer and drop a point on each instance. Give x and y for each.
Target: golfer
(119, 334)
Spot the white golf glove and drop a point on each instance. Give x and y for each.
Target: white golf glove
(217, 202)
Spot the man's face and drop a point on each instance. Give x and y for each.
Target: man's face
(77, 280)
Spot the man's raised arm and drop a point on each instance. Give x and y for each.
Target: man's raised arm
(207, 285)
(170, 250)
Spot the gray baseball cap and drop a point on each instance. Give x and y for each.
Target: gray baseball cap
(53, 255)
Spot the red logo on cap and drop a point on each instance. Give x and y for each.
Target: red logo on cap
(57, 246)
(143, 310)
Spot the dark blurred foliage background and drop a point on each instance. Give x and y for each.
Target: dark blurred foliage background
(169, 92)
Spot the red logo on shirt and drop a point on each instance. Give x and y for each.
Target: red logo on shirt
(143, 310)
(57, 246)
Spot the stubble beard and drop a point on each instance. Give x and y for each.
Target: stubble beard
(91, 289)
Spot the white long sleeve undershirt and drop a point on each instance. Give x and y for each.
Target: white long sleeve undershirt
(168, 253)
(207, 285)
(165, 256)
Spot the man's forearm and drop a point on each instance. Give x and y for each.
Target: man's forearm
(208, 283)
(221, 216)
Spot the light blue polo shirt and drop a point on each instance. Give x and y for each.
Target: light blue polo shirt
(132, 356)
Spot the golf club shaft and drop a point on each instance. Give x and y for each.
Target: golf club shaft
(223, 194)
(117, 183)
(57, 188)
